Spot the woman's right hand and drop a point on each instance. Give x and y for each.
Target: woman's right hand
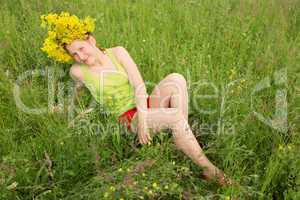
(142, 129)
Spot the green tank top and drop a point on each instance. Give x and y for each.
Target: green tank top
(111, 89)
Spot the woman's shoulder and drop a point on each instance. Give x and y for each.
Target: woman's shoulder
(76, 72)
(120, 53)
(117, 50)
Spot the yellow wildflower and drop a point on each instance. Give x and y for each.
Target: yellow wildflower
(63, 29)
(112, 188)
(106, 194)
(232, 74)
(155, 186)
(290, 147)
(150, 192)
(280, 147)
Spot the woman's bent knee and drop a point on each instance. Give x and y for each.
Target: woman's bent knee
(177, 77)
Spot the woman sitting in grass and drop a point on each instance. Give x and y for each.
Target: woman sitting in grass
(114, 80)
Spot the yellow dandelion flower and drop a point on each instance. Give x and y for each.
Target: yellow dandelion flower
(232, 74)
(64, 28)
(150, 192)
(154, 185)
(280, 147)
(290, 147)
(106, 194)
(112, 188)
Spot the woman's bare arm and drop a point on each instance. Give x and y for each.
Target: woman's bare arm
(75, 74)
(135, 78)
(141, 95)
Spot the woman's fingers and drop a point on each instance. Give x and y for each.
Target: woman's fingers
(148, 138)
(144, 138)
(141, 138)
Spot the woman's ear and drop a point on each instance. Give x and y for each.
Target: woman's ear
(91, 40)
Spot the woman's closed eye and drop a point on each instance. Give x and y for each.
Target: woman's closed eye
(76, 56)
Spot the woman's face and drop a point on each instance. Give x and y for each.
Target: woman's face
(83, 51)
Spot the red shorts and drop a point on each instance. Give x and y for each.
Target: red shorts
(127, 116)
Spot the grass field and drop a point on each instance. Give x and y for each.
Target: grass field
(243, 54)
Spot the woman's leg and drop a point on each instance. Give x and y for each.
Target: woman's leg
(184, 139)
(172, 90)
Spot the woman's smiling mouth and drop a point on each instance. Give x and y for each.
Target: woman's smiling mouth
(86, 59)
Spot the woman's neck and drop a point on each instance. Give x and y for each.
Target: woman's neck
(101, 59)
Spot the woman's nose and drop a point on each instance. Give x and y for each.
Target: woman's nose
(81, 56)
